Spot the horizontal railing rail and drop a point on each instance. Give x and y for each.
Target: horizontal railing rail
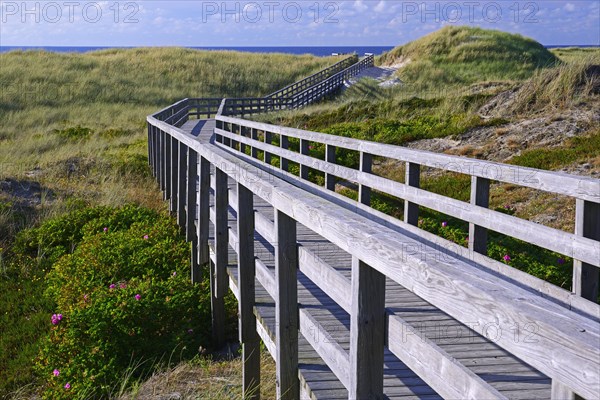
(566, 341)
(243, 136)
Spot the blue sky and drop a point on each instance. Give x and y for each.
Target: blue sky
(284, 22)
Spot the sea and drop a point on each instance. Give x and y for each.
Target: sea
(320, 51)
(314, 50)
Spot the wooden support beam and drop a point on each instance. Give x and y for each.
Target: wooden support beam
(246, 281)
(173, 179)
(587, 224)
(304, 149)
(366, 164)
(191, 193)
(284, 144)
(586, 277)
(219, 276)
(413, 178)
(150, 145)
(182, 185)
(167, 167)
(202, 228)
(254, 136)
(286, 307)
(480, 196)
(268, 140)
(367, 332)
(330, 157)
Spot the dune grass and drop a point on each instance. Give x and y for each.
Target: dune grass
(74, 124)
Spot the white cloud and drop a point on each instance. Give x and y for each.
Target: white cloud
(570, 7)
(380, 7)
(360, 6)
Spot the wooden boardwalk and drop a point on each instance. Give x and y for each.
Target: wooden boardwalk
(503, 371)
(353, 303)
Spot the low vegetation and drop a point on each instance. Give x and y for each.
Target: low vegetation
(73, 138)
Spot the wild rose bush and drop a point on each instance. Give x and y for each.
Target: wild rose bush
(124, 298)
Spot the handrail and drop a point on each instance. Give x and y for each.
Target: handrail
(564, 349)
(314, 78)
(297, 98)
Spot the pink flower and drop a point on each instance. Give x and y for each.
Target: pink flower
(145, 237)
(56, 318)
(56, 372)
(174, 273)
(85, 297)
(105, 229)
(190, 331)
(137, 297)
(310, 147)
(444, 224)
(122, 285)
(506, 258)
(67, 386)
(561, 261)
(112, 286)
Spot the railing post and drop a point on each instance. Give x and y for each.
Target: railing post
(480, 196)
(284, 144)
(366, 164)
(254, 136)
(150, 147)
(286, 307)
(182, 185)
(246, 280)
(330, 158)
(203, 215)
(219, 276)
(191, 212)
(367, 332)
(587, 224)
(167, 167)
(174, 160)
(268, 140)
(413, 178)
(304, 149)
(586, 277)
(192, 181)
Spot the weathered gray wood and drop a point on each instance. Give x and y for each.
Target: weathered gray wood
(330, 351)
(284, 144)
(243, 132)
(203, 208)
(442, 372)
(221, 251)
(561, 392)
(330, 158)
(150, 145)
(268, 140)
(304, 149)
(553, 239)
(191, 192)
(182, 186)
(167, 167)
(173, 178)
(480, 196)
(286, 313)
(586, 277)
(254, 136)
(364, 191)
(246, 278)
(367, 332)
(217, 308)
(556, 182)
(412, 178)
(328, 219)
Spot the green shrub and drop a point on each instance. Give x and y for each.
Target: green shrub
(125, 298)
(74, 132)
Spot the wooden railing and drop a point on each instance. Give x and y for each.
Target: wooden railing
(466, 285)
(463, 282)
(299, 94)
(302, 85)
